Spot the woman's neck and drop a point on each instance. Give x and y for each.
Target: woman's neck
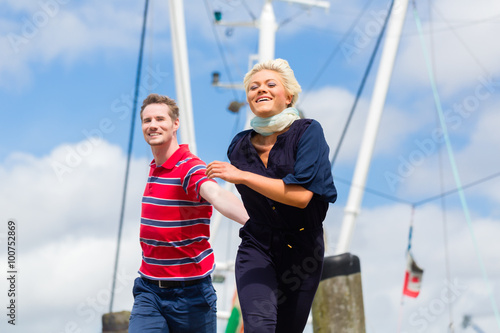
(264, 144)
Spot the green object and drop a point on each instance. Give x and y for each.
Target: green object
(218, 16)
(234, 321)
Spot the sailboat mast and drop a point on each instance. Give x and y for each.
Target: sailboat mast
(267, 32)
(181, 71)
(351, 211)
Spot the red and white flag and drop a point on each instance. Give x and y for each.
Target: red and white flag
(413, 278)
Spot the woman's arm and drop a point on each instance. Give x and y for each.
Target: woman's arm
(274, 189)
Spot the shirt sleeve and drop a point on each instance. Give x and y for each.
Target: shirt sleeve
(312, 168)
(194, 177)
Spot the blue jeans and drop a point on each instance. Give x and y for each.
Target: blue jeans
(170, 310)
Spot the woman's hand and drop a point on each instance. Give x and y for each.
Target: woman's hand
(274, 189)
(224, 171)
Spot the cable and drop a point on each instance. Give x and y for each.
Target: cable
(462, 24)
(454, 167)
(421, 202)
(335, 51)
(249, 11)
(458, 189)
(362, 85)
(219, 46)
(478, 62)
(451, 328)
(129, 153)
(374, 192)
(291, 18)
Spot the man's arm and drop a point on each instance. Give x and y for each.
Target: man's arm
(224, 201)
(274, 189)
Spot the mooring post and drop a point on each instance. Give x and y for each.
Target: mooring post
(115, 322)
(338, 304)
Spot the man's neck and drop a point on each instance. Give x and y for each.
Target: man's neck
(163, 153)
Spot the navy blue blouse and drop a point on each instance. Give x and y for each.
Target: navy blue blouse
(299, 156)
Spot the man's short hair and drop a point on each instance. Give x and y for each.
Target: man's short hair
(159, 99)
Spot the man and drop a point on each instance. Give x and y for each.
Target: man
(175, 292)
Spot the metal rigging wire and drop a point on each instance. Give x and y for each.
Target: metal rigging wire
(424, 201)
(219, 46)
(362, 85)
(249, 11)
(455, 172)
(129, 153)
(336, 50)
(453, 30)
(446, 248)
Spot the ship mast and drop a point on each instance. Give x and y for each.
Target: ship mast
(381, 86)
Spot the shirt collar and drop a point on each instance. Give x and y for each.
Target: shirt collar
(176, 157)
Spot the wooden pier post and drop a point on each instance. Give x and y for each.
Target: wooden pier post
(338, 304)
(115, 322)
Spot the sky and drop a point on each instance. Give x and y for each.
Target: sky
(67, 74)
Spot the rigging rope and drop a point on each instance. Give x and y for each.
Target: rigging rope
(374, 192)
(421, 202)
(129, 153)
(291, 18)
(451, 328)
(335, 51)
(249, 11)
(362, 85)
(219, 46)
(453, 163)
(453, 30)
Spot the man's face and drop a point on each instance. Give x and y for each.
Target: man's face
(157, 126)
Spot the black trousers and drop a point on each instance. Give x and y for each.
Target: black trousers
(277, 275)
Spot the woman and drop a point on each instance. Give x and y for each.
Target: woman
(283, 174)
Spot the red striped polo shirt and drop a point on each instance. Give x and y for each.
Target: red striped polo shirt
(175, 220)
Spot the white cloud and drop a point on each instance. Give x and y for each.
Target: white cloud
(67, 230)
(67, 242)
(380, 240)
(67, 282)
(75, 189)
(66, 31)
(331, 106)
(419, 164)
(458, 48)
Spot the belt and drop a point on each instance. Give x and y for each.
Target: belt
(173, 284)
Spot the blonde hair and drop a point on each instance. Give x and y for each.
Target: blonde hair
(281, 67)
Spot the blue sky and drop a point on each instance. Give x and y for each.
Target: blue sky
(67, 73)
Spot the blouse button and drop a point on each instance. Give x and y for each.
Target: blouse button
(274, 208)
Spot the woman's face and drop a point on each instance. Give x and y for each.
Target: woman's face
(266, 94)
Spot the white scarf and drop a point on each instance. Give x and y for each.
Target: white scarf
(276, 123)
